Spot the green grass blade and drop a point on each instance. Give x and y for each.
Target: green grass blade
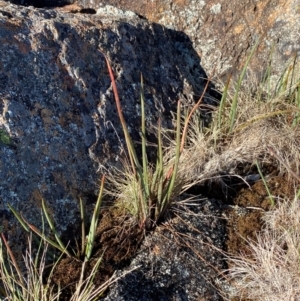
(222, 104)
(26, 225)
(94, 223)
(297, 103)
(233, 111)
(19, 218)
(158, 180)
(51, 242)
(40, 245)
(52, 227)
(279, 83)
(265, 183)
(170, 187)
(267, 78)
(160, 168)
(292, 77)
(144, 142)
(82, 217)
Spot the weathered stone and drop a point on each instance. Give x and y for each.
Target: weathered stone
(58, 119)
(180, 261)
(223, 32)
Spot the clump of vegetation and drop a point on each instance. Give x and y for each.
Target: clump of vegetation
(252, 124)
(86, 244)
(148, 190)
(272, 270)
(258, 126)
(4, 137)
(31, 286)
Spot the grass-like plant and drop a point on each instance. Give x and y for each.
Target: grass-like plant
(265, 184)
(29, 286)
(264, 132)
(230, 117)
(253, 118)
(86, 246)
(228, 126)
(152, 188)
(148, 190)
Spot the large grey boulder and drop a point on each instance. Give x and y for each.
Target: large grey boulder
(58, 119)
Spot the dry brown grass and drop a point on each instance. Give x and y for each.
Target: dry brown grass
(265, 130)
(272, 272)
(261, 125)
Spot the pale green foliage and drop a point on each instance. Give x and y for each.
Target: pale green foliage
(4, 137)
(148, 190)
(29, 286)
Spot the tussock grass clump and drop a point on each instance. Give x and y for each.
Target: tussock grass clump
(19, 286)
(247, 127)
(31, 285)
(143, 189)
(87, 243)
(259, 125)
(272, 271)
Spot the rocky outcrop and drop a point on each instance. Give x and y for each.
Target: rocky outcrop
(58, 119)
(223, 32)
(59, 132)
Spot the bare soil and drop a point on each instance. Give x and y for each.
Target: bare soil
(249, 205)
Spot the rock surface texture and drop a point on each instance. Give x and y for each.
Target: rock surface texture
(58, 121)
(223, 32)
(43, 3)
(181, 261)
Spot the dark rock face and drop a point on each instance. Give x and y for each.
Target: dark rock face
(57, 106)
(42, 3)
(180, 262)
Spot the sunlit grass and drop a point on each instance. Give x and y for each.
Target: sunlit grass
(147, 190)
